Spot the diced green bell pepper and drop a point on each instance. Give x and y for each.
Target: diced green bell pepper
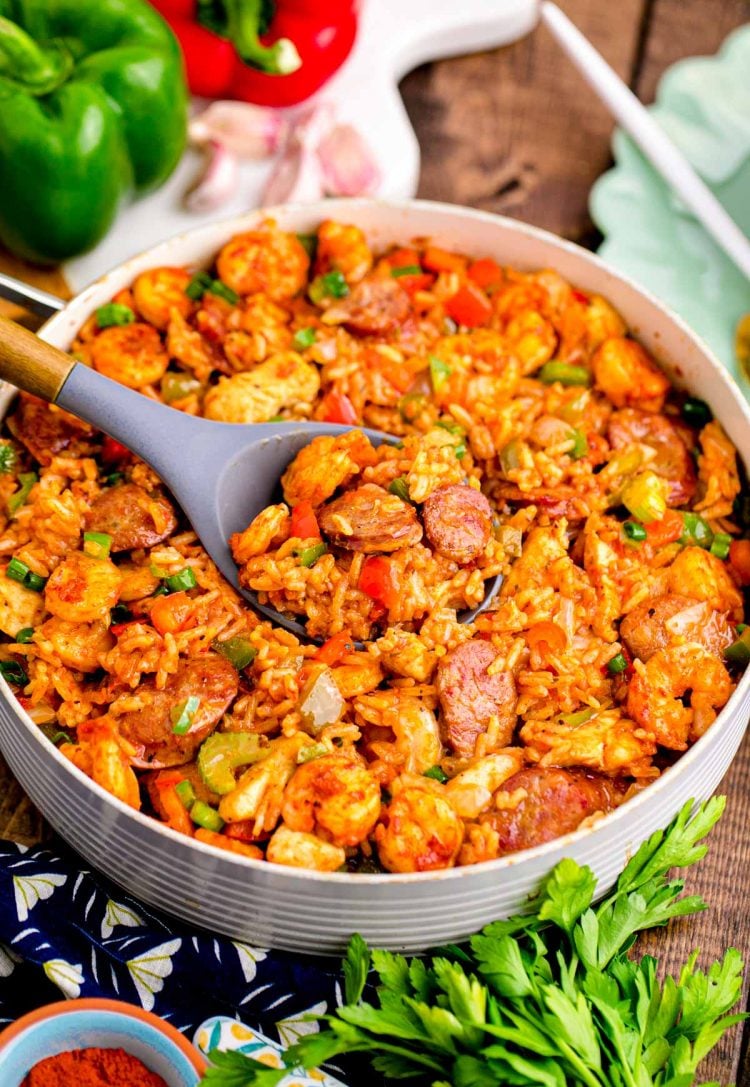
(93, 107)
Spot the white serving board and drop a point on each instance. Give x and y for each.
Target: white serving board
(394, 37)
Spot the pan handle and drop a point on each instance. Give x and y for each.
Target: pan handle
(31, 364)
(40, 302)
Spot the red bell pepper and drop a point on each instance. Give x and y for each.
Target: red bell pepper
(233, 50)
(377, 580)
(469, 306)
(304, 521)
(338, 408)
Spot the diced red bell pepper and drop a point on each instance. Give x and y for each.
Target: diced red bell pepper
(338, 408)
(304, 521)
(581, 297)
(440, 260)
(377, 580)
(485, 273)
(469, 306)
(409, 258)
(666, 530)
(335, 648)
(241, 831)
(114, 452)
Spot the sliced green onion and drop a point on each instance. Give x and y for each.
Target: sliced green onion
(437, 773)
(573, 720)
(739, 652)
(330, 285)
(740, 627)
(565, 373)
(406, 270)
(177, 386)
(309, 243)
(617, 664)
(411, 406)
(221, 290)
(112, 479)
(304, 337)
(238, 651)
(114, 313)
(120, 614)
(696, 412)
(276, 419)
(697, 532)
(27, 481)
(400, 488)
(8, 458)
(183, 713)
(580, 445)
(575, 409)
(634, 531)
(308, 556)
(198, 286)
(203, 815)
(12, 672)
(461, 450)
(34, 582)
(720, 545)
(314, 751)
(17, 570)
(97, 544)
(160, 590)
(25, 635)
(186, 793)
(646, 497)
(181, 581)
(453, 428)
(56, 737)
(439, 372)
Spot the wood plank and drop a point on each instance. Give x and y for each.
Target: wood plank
(516, 130)
(684, 28)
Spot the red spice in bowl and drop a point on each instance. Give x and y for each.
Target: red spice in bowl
(92, 1067)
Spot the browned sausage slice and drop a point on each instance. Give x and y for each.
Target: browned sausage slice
(211, 679)
(132, 517)
(644, 630)
(672, 461)
(458, 522)
(469, 697)
(43, 429)
(370, 519)
(373, 308)
(556, 802)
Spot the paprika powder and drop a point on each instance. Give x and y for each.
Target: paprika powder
(93, 1067)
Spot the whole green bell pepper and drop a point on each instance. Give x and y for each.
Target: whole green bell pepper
(93, 107)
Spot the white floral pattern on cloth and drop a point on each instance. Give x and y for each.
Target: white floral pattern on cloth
(221, 1032)
(67, 930)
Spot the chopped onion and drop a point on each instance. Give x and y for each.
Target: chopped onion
(685, 621)
(247, 131)
(321, 702)
(218, 182)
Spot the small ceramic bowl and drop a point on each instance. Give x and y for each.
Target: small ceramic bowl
(109, 1024)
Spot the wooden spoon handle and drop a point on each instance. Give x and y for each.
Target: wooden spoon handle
(31, 364)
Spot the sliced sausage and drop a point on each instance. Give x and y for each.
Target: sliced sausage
(469, 697)
(132, 517)
(211, 679)
(556, 802)
(458, 522)
(374, 307)
(561, 502)
(672, 462)
(370, 519)
(45, 430)
(645, 629)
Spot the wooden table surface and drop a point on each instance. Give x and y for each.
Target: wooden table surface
(516, 131)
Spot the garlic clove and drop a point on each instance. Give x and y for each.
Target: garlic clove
(219, 181)
(347, 163)
(248, 131)
(296, 177)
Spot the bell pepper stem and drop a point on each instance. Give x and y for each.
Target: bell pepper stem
(38, 69)
(243, 21)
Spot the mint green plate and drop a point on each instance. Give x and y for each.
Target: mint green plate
(704, 105)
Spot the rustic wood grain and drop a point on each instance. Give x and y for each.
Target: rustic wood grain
(516, 130)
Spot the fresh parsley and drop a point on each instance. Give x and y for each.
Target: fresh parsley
(549, 999)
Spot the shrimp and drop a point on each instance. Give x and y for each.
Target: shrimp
(131, 354)
(701, 575)
(420, 830)
(324, 465)
(344, 248)
(255, 396)
(103, 756)
(301, 850)
(658, 621)
(271, 525)
(258, 794)
(268, 260)
(625, 372)
(19, 607)
(602, 322)
(334, 796)
(660, 687)
(608, 742)
(83, 589)
(158, 291)
(470, 792)
(78, 645)
(532, 339)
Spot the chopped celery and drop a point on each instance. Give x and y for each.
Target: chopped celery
(222, 753)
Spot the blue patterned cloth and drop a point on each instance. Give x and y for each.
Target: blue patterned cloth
(66, 930)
